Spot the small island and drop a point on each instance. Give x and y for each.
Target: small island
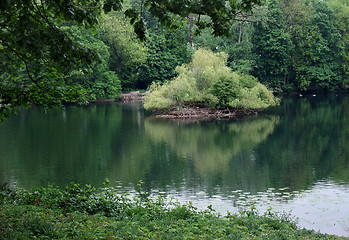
(207, 88)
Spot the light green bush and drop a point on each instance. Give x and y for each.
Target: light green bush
(208, 81)
(258, 97)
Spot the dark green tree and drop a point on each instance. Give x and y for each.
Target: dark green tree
(32, 42)
(272, 46)
(325, 72)
(99, 82)
(298, 16)
(241, 57)
(127, 52)
(30, 39)
(316, 60)
(341, 15)
(167, 50)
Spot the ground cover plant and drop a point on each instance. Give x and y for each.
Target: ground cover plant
(84, 212)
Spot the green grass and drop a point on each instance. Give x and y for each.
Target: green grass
(77, 212)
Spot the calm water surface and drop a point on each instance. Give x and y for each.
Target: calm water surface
(292, 158)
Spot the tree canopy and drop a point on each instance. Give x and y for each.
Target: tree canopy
(53, 52)
(31, 40)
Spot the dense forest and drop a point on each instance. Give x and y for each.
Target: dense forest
(288, 45)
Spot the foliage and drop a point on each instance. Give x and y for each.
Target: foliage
(241, 57)
(38, 214)
(221, 13)
(39, 59)
(127, 52)
(238, 45)
(100, 82)
(341, 15)
(207, 80)
(315, 39)
(273, 46)
(166, 51)
(31, 40)
(326, 72)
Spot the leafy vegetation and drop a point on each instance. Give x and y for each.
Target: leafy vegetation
(340, 10)
(83, 212)
(274, 46)
(208, 81)
(75, 51)
(166, 51)
(99, 82)
(315, 39)
(126, 51)
(32, 43)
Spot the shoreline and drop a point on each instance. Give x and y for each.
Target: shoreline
(204, 113)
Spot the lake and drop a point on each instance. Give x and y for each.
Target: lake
(293, 158)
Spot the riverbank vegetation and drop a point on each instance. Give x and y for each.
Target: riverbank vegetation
(83, 212)
(90, 53)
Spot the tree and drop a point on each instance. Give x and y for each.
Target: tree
(238, 46)
(241, 57)
(341, 15)
(100, 82)
(272, 46)
(298, 16)
(32, 41)
(167, 50)
(30, 38)
(325, 72)
(127, 52)
(312, 30)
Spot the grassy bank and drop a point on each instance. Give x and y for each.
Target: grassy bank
(83, 212)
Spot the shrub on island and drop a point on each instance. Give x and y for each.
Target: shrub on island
(207, 81)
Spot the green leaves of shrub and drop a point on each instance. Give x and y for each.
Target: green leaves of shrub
(83, 212)
(208, 81)
(225, 89)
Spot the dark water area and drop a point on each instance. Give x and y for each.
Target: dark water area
(292, 158)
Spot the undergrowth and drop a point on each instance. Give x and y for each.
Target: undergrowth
(84, 212)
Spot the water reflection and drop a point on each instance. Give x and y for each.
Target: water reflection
(211, 146)
(323, 207)
(310, 144)
(295, 147)
(58, 147)
(217, 153)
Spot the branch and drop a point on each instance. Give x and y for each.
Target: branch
(44, 16)
(36, 19)
(43, 8)
(90, 7)
(26, 67)
(22, 59)
(3, 26)
(250, 21)
(244, 17)
(190, 40)
(142, 3)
